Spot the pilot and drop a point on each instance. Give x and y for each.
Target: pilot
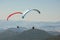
(17, 26)
(33, 27)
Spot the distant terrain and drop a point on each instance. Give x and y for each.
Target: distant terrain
(42, 31)
(32, 34)
(23, 34)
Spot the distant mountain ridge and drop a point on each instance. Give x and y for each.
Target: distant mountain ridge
(11, 32)
(23, 34)
(54, 33)
(32, 34)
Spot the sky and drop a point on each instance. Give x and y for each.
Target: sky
(50, 9)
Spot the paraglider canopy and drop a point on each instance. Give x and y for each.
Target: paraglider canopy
(13, 14)
(29, 11)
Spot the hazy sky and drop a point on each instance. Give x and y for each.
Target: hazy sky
(50, 9)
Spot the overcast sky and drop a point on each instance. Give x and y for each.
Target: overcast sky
(50, 9)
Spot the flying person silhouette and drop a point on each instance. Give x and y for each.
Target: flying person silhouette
(17, 26)
(33, 27)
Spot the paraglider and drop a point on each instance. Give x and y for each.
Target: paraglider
(17, 26)
(13, 14)
(29, 11)
(33, 27)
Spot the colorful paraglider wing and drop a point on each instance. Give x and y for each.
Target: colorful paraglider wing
(25, 13)
(29, 11)
(13, 14)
